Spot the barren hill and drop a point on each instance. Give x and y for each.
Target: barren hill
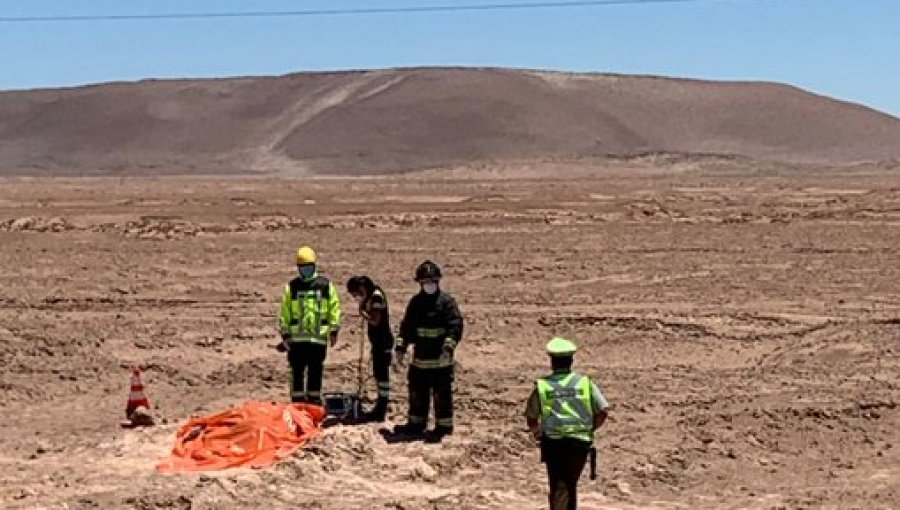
(397, 120)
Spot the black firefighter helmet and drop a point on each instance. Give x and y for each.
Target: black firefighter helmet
(428, 270)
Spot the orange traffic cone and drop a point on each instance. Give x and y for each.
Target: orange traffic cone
(136, 397)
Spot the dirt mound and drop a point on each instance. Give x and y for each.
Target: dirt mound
(398, 120)
(36, 224)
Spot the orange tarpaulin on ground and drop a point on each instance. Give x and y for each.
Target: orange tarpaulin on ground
(254, 434)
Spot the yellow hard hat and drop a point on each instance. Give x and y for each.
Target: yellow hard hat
(305, 255)
(561, 347)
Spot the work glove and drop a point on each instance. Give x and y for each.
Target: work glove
(446, 356)
(399, 357)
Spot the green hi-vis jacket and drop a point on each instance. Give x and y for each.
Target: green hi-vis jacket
(310, 310)
(567, 407)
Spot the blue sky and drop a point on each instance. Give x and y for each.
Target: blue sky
(849, 49)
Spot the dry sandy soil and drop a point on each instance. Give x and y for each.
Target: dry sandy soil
(745, 325)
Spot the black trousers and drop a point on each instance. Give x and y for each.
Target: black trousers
(307, 365)
(381, 369)
(565, 459)
(426, 384)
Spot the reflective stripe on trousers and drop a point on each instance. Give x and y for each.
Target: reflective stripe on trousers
(431, 363)
(427, 386)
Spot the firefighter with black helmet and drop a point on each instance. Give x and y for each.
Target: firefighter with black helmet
(433, 325)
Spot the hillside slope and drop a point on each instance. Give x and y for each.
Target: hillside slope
(398, 120)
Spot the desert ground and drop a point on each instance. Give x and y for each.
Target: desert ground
(744, 324)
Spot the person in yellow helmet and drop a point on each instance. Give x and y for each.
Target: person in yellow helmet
(310, 319)
(563, 411)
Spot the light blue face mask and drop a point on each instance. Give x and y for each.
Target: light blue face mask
(307, 271)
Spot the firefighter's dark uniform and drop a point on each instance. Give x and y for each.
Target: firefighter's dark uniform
(310, 313)
(433, 324)
(381, 339)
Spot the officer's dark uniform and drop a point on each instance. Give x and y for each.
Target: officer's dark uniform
(433, 324)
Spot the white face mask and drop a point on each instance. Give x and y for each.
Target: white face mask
(429, 288)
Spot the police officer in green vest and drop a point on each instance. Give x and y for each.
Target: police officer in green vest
(310, 319)
(563, 412)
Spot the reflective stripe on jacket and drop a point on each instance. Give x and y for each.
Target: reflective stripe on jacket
(433, 325)
(310, 310)
(566, 410)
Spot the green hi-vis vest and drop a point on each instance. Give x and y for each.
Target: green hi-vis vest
(566, 407)
(307, 316)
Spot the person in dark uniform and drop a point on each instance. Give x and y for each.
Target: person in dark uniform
(563, 411)
(433, 324)
(373, 307)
